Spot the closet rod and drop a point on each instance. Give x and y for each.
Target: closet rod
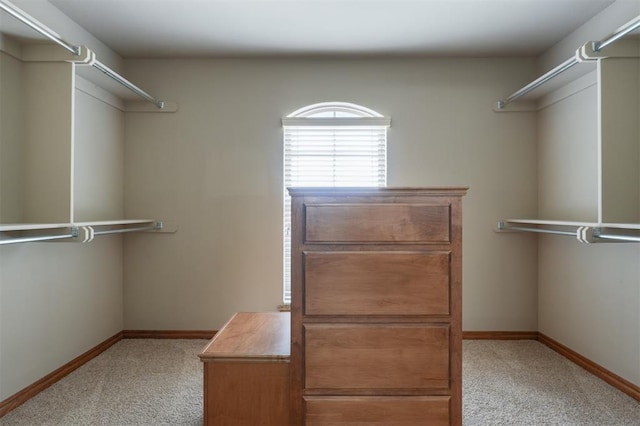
(29, 21)
(597, 45)
(539, 81)
(74, 234)
(126, 83)
(155, 226)
(616, 237)
(538, 230)
(20, 16)
(624, 30)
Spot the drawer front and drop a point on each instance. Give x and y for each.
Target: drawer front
(376, 283)
(384, 223)
(376, 356)
(361, 411)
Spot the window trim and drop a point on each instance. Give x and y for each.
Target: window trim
(336, 121)
(321, 107)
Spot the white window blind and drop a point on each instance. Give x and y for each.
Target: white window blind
(325, 146)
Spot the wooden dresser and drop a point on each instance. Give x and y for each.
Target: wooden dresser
(246, 371)
(376, 314)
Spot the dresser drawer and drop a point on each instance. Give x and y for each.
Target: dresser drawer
(376, 356)
(376, 283)
(384, 223)
(362, 411)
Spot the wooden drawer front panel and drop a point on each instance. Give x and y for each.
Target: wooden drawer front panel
(410, 223)
(377, 283)
(364, 411)
(367, 356)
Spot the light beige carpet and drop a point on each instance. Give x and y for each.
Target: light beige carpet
(159, 382)
(134, 382)
(526, 383)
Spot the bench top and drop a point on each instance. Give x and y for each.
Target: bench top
(251, 336)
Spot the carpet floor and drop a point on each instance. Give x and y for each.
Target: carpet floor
(526, 383)
(159, 382)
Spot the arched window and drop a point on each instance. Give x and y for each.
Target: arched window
(331, 144)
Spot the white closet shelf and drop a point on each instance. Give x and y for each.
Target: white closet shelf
(114, 222)
(549, 222)
(8, 227)
(572, 74)
(81, 231)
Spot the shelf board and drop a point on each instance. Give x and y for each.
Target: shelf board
(32, 226)
(550, 222)
(6, 227)
(115, 222)
(620, 225)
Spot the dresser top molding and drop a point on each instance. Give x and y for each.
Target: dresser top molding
(380, 191)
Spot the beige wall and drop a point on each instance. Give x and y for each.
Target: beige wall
(215, 167)
(588, 294)
(58, 300)
(568, 157)
(11, 139)
(33, 133)
(99, 163)
(588, 300)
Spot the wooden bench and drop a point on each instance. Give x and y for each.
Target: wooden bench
(246, 371)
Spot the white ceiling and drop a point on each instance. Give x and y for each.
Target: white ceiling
(219, 28)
